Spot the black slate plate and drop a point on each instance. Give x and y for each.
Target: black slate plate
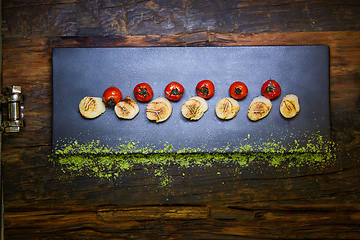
(79, 72)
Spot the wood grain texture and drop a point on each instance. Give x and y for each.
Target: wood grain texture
(189, 223)
(114, 18)
(41, 202)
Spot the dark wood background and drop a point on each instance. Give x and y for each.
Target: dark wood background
(43, 203)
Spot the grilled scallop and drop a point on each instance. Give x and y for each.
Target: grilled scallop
(194, 108)
(126, 108)
(259, 108)
(91, 107)
(289, 106)
(227, 108)
(158, 110)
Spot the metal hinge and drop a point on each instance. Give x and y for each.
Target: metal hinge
(11, 110)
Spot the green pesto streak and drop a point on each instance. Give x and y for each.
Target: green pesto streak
(96, 160)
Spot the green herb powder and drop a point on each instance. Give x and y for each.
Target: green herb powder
(94, 159)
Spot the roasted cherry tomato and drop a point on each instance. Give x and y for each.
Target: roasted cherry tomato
(270, 89)
(205, 89)
(174, 91)
(112, 96)
(238, 90)
(143, 92)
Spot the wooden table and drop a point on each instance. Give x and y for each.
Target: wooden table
(43, 203)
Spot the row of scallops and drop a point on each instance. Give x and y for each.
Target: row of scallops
(160, 109)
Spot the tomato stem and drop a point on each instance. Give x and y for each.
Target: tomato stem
(111, 102)
(203, 90)
(143, 92)
(270, 88)
(176, 92)
(238, 91)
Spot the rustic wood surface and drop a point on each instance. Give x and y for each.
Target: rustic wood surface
(41, 202)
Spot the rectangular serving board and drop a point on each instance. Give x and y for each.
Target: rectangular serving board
(300, 70)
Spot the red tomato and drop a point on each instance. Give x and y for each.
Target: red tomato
(270, 89)
(143, 92)
(174, 91)
(205, 89)
(112, 96)
(238, 90)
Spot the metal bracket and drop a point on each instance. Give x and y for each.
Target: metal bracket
(11, 110)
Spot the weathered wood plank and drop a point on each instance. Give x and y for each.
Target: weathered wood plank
(32, 182)
(169, 222)
(24, 3)
(114, 18)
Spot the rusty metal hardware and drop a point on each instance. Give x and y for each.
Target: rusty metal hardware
(12, 110)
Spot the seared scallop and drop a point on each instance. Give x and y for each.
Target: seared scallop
(227, 108)
(91, 107)
(289, 106)
(259, 108)
(194, 108)
(126, 108)
(158, 110)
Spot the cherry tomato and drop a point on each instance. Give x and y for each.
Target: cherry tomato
(174, 91)
(270, 89)
(143, 92)
(112, 96)
(205, 89)
(238, 90)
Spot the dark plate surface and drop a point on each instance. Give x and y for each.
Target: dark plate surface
(80, 72)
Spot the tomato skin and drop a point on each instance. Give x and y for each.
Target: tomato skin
(205, 89)
(238, 90)
(174, 91)
(112, 96)
(271, 89)
(143, 92)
